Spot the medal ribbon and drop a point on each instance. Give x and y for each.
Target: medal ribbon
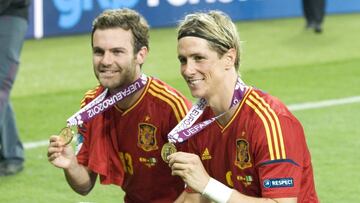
(100, 103)
(185, 129)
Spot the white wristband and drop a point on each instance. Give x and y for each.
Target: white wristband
(217, 191)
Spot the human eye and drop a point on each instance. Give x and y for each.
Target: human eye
(198, 58)
(182, 60)
(117, 52)
(98, 52)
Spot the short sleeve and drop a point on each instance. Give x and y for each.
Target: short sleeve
(82, 143)
(280, 152)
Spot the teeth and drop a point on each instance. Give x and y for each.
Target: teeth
(194, 81)
(107, 71)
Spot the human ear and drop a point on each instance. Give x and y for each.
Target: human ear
(230, 58)
(141, 55)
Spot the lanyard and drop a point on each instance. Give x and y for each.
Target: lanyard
(100, 103)
(186, 128)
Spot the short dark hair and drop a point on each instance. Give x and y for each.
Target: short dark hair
(126, 19)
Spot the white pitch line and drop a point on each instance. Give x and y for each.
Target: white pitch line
(292, 107)
(323, 104)
(31, 145)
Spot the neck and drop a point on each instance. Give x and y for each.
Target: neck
(221, 99)
(130, 99)
(223, 120)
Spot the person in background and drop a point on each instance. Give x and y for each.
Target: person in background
(246, 146)
(314, 13)
(13, 27)
(122, 145)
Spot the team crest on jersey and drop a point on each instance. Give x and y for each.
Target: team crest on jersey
(147, 137)
(243, 159)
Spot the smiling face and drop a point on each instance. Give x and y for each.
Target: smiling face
(201, 67)
(115, 64)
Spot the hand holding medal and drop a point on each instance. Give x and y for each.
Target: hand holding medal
(66, 135)
(186, 128)
(166, 150)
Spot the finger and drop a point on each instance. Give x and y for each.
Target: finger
(57, 143)
(178, 170)
(179, 157)
(52, 150)
(182, 171)
(54, 138)
(53, 156)
(185, 158)
(179, 166)
(178, 173)
(178, 154)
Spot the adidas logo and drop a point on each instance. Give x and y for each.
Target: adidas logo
(206, 155)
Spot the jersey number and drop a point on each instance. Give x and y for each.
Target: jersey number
(228, 179)
(127, 162)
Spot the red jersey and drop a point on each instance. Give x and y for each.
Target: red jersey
(124, 147)
(261, 152)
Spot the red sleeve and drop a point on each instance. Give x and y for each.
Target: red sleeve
(82, 144)
(280, 166)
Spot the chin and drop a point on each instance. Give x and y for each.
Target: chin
(196, 94)
(107, 85)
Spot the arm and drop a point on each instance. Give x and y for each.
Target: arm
(191, 197)
(190, 169)
(79, 177)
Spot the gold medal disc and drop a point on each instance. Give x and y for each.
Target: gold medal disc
(166, 150)
(66, 135)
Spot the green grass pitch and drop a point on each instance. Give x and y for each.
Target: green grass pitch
(278, 56)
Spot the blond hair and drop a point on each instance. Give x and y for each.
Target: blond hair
(216, 27)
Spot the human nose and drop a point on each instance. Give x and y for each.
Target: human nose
(188, 68)
(107, 59)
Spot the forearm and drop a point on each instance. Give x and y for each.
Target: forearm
(80, 179)
(191, 197)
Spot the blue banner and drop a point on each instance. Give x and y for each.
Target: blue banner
(62, 17)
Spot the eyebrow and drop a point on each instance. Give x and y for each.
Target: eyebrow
(114, 48)
(192, 55)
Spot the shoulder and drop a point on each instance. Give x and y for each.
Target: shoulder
(158, 86)
(91, 94)
(264, 109)
(272, 124)
(169, 96)
(262, 103)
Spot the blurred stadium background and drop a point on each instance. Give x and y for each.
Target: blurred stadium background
(278, 56)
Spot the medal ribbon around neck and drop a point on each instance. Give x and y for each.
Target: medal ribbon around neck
(100, 103)
(186, 128)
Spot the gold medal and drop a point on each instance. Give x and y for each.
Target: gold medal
(66, 135)
(166, 150)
